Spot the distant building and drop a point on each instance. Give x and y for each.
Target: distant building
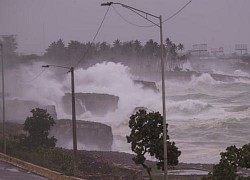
(199, 50)
(242, 48)
(217, 52)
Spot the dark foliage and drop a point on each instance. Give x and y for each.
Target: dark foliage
(230, 161)
(37, 126)
(125, 52)
(146, 137)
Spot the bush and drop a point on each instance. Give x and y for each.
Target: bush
(38, 126)
(146, 137)
(230, 161)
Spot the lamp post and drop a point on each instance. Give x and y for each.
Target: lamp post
(3, 91)
(138, 11)
(71, 70)
(3, 99)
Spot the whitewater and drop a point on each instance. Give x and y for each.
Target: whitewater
(204, 115)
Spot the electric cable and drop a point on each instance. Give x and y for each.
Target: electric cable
(117, 12)
(97, 32)
(154, 24)
(37, 76)
(177, 12)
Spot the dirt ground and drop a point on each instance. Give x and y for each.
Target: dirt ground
(125, 159)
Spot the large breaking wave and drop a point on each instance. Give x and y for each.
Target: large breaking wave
(205, 114)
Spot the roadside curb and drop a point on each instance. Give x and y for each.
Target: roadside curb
(36, 169)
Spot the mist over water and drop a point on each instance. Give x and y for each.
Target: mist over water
(204, 115)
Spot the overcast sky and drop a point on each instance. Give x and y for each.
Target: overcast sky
(37, 23)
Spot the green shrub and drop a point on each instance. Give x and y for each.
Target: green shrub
(230, 161)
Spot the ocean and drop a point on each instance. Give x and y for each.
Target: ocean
(208, 104)
(205, 115)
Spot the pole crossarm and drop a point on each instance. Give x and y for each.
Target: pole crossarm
(52, 65)
(136, 11)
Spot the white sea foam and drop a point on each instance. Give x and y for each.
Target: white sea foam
(192, 121)
(242, 80)
(205, 78)
(27, 82)
(239, 72)
(187, 66)
(188, 106)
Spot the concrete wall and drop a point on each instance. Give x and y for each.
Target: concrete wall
(36, 169)
(137, 174)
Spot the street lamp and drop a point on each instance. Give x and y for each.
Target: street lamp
(71, 70)
(3, 99)
(138, 11)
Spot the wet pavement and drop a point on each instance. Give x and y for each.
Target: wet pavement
(10, 172)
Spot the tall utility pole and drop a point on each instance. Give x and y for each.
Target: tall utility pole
(3, 99)
(3, 91)
(140, 12)
(74, 119)
(164, 107)
(71, 70)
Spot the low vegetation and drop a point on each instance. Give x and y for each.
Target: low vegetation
(31, 142)
(97, 164)
(146, 138)
(231, 161)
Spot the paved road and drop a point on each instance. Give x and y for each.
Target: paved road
(9, 172)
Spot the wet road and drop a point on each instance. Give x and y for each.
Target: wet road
(9, 172)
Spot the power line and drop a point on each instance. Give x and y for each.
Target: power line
(155, 24)
(126, 19)
(177, 12)
(37, 76)
(97, 32)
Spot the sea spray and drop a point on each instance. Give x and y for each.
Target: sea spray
(204, 79)
(239, 72)
(115, 79)
(22, 83)
(204, 115)
(188, 106)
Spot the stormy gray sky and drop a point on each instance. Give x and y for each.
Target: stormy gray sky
(37, 23)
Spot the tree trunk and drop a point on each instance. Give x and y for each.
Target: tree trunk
(148, 171)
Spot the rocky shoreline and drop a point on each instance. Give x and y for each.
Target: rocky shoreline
(183, 171)
(121, 159)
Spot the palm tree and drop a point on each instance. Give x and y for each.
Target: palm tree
(137, 47)
(57, 51)
(117, 43)
(116, 49)
(174, 60)
(180, 47)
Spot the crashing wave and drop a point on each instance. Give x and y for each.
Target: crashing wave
(188, 106)
(241, 73)
(204, 78)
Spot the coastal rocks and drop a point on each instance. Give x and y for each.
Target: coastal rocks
(147, 85)
(90, 135)
(19, 110)
(97, 104)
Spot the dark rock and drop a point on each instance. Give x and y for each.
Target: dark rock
(137, 109)
(19, 110)
(187, 76)
(97, 104)
(92, 135)
(147, 85)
